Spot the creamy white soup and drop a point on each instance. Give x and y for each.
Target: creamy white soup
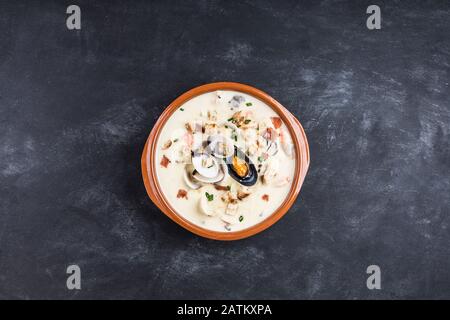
(225, 161)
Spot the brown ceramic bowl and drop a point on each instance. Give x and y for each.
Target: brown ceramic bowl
(301, 156)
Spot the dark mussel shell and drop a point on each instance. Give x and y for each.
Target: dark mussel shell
(252, 175)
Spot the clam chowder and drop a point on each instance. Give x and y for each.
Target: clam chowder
(225, 161)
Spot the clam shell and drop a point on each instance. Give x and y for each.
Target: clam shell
(230, 219)
(203, 179)
(206, 172)
(205, 207)
(287, 144)
(188, 179)
(222, 173)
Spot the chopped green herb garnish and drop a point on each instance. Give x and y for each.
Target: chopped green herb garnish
(231, 119)
(249, 104)
(210, 197)
(211, 166)
(226, 127)
(247, 121)
(234, 135)
(181, 109)
(241, 218)
(228, 188)
(175, 140)
(260, 159)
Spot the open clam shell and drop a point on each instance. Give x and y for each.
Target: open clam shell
(205, 165)
(189, 179)
(220, 176)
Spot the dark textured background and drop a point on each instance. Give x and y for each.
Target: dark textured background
(76, 108)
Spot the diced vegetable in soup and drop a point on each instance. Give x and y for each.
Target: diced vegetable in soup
(226, 161)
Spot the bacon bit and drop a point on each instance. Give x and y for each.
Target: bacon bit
(276, 122)
(265, 197)
(221, 188)
(242, 195)
(238, 115)
(209, 127)
(167, 145)
(238, 118)
(188, 127)
(182, 194)
(273, 134)
(165, 161)
(212, 116)
(270, 134)
(229, 198)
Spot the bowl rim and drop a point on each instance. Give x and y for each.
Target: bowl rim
(148, 161)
